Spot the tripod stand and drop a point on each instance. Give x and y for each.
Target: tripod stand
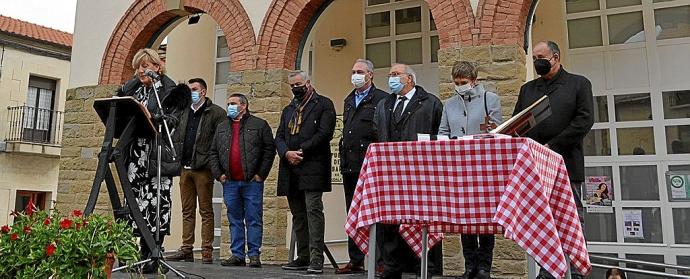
(128, 109)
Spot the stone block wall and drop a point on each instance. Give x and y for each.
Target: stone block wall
(81, 142)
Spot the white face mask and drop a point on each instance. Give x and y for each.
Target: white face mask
(462, 89)
(358, 80)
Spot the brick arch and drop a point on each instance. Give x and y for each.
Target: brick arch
(285, 24)
(502, 22)
(144, 18)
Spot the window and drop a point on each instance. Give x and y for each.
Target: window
(24, 197)
(222, 60)
(38, 112)
(399, 33)
(635, 53)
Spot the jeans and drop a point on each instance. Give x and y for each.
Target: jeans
(244, 201)
(197, 184)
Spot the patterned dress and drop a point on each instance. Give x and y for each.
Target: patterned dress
(145, 184)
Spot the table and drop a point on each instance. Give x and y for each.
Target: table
(513, 186)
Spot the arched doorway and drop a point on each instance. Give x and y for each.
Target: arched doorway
(191, 36)
(146, 23)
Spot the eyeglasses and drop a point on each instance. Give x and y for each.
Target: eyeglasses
(534, 58)
(396, 74)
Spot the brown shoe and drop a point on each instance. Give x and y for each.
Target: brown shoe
(181, 256)
(379, 270)
(207, 256)
(350, 269)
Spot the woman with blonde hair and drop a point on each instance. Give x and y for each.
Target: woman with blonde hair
(141, 156)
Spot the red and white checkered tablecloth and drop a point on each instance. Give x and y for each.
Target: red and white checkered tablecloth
(513, 186)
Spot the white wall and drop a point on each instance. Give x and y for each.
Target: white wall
(94, 23)
(256, 10)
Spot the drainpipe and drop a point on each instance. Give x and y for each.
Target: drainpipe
(2, 58)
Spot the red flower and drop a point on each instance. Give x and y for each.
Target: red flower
(78, 226)
(27, 230)
(50, 249)
(66, 223)
(76, 213)
(5, 229)
(46, 221)
(14, 236)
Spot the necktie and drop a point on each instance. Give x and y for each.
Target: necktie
(397, 113)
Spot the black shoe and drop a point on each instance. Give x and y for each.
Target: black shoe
(483, 274)
(153, 268)
(391, 275)
(233, 261)
(469, 274)
(315, 267)
(298, 264)
(254, 261)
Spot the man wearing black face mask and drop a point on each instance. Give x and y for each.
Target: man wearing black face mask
(303, 142)
(571, 103)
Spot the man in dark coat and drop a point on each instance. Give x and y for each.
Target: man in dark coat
(196, 181)
(241, 156)
(303, 142)
(358, 133)
(411, 110)
(570, 97)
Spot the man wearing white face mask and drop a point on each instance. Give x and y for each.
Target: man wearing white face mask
(472, 110)
(411, 110)
(358, 133)
(196, 181)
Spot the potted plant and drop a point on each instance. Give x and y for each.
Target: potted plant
(42, 244)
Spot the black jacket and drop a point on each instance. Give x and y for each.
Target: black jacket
(257, 148)
(316, 133)
(571, 119)
(421, 116)
(175, 101)
(212, 116)
(358, 129)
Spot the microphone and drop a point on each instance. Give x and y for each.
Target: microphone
(151, 74)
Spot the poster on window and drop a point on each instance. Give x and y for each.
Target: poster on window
(678, 185)
(598, 194)
(632, 222)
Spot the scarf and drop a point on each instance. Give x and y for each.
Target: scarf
(296, 120)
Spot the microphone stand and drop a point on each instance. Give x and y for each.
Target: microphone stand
(157, 253)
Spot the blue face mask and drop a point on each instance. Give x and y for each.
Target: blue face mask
(195, 97)
(395, 84)
(233, 111)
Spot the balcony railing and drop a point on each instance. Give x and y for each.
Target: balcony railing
(34, 125)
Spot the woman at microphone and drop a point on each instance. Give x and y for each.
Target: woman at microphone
(141, 158)
(473, 110)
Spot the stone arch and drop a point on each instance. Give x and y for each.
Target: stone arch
(285, 24)
(145, 18)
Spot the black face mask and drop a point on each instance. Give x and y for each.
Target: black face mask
(299, 91)
(542, 66)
